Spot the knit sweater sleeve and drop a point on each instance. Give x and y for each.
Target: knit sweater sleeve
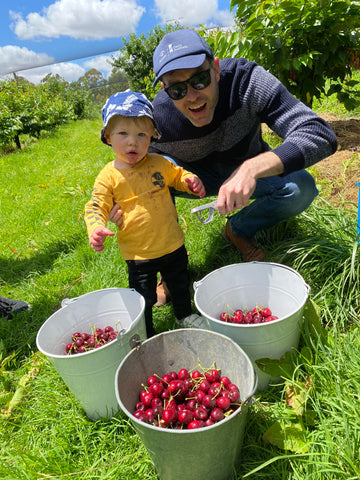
(307, 138)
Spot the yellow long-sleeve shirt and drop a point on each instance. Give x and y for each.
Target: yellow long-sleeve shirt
(150, 228)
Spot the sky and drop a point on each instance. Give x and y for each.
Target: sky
(69, 37)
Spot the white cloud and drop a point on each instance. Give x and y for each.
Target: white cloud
(100, 63)
(13, 59)
(81, 19)
(68, 71)
(192, 13)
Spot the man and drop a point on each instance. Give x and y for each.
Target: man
(210, 113)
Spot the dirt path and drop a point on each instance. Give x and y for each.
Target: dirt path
(340, 172)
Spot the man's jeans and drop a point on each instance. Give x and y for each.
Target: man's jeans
(276, 198)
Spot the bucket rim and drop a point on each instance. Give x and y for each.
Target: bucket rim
(169, 431)
(197, 284)
(94, 350)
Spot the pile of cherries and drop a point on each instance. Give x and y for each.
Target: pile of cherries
(247, 317)
(83, 341)
(187, 400)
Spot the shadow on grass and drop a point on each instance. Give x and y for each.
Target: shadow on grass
(16, 269)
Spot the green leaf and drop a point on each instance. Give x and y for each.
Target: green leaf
(282, 367)
(287, 436)
(2, 350)
(312, 317)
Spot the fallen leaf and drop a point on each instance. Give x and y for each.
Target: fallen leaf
(287, 436)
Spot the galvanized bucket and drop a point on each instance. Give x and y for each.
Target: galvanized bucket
(188, 453)
(90, 375)
(272, 285)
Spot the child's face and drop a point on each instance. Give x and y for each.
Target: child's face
(130, 138)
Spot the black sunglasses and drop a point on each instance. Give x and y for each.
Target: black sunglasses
(198, 81)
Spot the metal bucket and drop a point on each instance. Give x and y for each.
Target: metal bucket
(209, 453)
(272, 285)
(90, 375)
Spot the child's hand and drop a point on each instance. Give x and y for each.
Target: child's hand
(98, 237)
(116, 215)
(196, 186)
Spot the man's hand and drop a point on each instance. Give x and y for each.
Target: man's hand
(236, 191)
(116, 215)
(196, 186)
(98, 237)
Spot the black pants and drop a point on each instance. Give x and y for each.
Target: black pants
(173, 268)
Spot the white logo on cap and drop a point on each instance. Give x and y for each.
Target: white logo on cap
(170, 47)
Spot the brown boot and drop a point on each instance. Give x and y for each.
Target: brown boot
(249, 249)
(162, 293)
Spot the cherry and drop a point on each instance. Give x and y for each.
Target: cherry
(169, 415)
(140, 406)
(200, 413)
(265, 312)
(224, 316)
(257, 318)
(185, 416)
(183, 374)
(152, 379)
(213, 375)
(215, 389)
(223, 403)
(196, 374)
(248, 317)
(191, 404)
(140, 415)
(234, 396)
(166, 379)
(217, 414)
(78, 342)
(156, 402)
(145, 398)
(225, 381)
(194, 424)
(150, 415)
(209, 402)
(204, 385)
(156, 389)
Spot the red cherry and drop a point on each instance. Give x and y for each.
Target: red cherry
(223, 403)
(194, 424)
(183, 374)
(185, 416)
(156, 389)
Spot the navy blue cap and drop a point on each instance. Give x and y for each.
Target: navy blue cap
(180, 49)
(127, 104)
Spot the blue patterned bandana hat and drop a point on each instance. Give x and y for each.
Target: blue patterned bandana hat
(127, 104)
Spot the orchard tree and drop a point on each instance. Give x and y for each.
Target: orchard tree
(312, 46)
(136, 59)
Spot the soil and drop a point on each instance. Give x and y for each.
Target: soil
(339, 174)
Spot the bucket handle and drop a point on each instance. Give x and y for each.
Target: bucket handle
(66, 301)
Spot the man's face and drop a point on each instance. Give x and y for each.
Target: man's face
(197, 105)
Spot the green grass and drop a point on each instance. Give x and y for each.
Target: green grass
(45, 257)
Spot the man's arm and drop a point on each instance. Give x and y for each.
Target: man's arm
(236, 191)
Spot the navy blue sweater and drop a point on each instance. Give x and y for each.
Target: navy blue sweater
(248, 97)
